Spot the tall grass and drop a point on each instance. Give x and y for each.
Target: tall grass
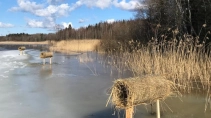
(186, 61)
(75, 45)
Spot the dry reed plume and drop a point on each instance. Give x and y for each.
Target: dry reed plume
(75, 45)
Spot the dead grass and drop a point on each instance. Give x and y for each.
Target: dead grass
(75, 45)
(185, 62)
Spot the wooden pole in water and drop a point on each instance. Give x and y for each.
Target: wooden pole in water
(50, 60)
(43, 61)
(158, 108)
(129, 112)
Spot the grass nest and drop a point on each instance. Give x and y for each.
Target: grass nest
(46, 54)
(130, 92)
(21, 48)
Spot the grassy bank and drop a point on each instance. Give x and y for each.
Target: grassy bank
(75, 45)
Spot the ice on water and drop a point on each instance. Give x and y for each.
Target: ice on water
(10, 60)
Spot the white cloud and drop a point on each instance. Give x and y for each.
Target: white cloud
(5, 25)
(26, 6)
(110, 20)
(81, 20)
(40, 10)
(66, 25)
(131, 5)
(35, 23)
(52, 10)
(49, 12)
(123, 4)
(48, 22)
(54, 1)
(95, 3)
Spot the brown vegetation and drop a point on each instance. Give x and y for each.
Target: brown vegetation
(75, 45)
(130, 92)
(46, 54)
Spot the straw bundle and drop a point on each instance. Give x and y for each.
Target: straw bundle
(46, 54)
(134, 91)
(21, 48)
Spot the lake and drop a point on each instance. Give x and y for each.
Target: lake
(74, 86)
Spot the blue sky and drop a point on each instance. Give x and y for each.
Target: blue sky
(41, 16)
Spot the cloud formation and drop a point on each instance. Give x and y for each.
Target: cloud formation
(53, 9)
(122, 4)
(49, 12)
(131, 5)
(66, 25)
(5, 25)
(81, 20)
(26, 6)
(110, 20)
(54, 1)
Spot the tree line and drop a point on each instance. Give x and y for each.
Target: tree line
(154, 19)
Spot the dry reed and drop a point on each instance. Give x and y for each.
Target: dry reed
(130, 92)
(75, 45)
(186, 61)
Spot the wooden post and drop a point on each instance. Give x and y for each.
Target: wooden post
(158, 108)
(129, 112)
(50, 60)
(43, 61)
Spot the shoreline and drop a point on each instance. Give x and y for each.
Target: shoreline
(23, 43)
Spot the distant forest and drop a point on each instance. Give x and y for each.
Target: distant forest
(156, 19)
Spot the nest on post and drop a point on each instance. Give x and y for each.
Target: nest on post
(131, 92)
(46, 54)
(21, 48)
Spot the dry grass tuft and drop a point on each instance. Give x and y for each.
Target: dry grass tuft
(75, 45)
(135, 91)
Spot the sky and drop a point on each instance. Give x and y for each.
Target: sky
(44, 16)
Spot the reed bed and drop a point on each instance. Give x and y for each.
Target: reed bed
(185, 64)
(185, 61)
(75, 45)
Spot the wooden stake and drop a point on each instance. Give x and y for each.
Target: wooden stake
(50, 60)
(129, 112)
(158, 109)
(44, 61)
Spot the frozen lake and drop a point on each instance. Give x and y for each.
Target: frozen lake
(74, 86)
